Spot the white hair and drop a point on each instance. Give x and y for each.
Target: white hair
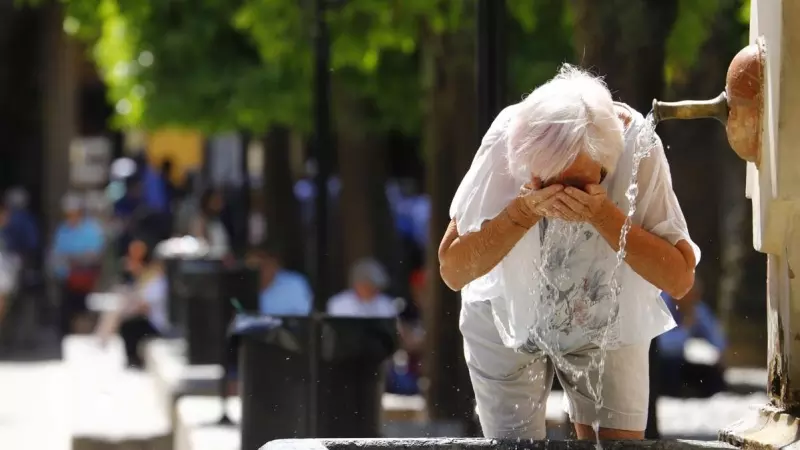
(72, 202)
(369, 271)
(571, 113)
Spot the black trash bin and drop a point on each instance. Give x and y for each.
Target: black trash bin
(208, 311)
(352, 371)
(281, 374)
(175, 252)
(176, 295)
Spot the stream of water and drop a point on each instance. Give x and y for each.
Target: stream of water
(566, 234)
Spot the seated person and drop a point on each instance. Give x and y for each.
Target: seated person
(365, 298)
(283, 292)
(683, 378)
(145, 314)
(406, 369)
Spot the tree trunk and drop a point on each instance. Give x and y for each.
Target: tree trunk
(60, 111)
(281, 209)
(367, 227)
(450, 143)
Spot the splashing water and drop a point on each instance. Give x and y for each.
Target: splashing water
(566, 235)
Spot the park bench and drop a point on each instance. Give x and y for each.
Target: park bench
(111, 407)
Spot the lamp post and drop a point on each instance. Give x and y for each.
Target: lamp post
(321, 146)
(491, 58)
(322, 154)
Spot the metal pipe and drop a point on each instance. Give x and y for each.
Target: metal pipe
(716, 108)
(322, 154)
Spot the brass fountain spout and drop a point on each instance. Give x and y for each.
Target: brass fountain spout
(740, 107)
(716, 108)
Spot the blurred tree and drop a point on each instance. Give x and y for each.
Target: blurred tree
(626, 41)
(376, 90)
(712, 174)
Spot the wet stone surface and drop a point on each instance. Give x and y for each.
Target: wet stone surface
(467, 444)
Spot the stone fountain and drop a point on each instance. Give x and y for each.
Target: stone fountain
(760, 109)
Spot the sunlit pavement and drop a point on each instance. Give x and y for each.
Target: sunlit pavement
(34, 410)
(33, 406)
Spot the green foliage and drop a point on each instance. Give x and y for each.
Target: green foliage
(688, 35)
(182, 63)
(374, 49)
(217, 65)
(246, 64)
(540, 39)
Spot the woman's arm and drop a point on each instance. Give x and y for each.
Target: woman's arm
(462, 259)
(668, 267)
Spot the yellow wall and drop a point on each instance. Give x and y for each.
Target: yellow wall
(184, 147)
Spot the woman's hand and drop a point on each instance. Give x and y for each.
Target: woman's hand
(535, 203)
(590, 206)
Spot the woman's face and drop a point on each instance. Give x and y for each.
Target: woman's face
(582, 172)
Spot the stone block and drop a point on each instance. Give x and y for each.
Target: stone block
(197, 427)
(111, 407)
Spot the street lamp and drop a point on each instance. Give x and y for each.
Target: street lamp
(322, 154)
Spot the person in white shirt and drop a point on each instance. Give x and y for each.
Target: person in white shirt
(145, 314)
(208, 224)
(532, 246)
(365, 298)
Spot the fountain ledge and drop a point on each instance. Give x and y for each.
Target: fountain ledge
(480, 444)
(767, 427)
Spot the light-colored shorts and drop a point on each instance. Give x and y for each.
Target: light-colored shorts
(511, 388)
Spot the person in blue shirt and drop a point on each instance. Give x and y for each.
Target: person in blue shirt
(695, 320)
(22, 230)
(283, 292)
(77, 250)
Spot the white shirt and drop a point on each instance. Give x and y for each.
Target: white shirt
(553, 289)
(155, 292)
(347, 304)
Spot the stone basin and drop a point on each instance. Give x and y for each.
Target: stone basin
(480, 443)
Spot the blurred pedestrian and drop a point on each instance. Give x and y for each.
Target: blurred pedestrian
(365, 298)
(145, 314)
(283, 292)
(696, 322)
(22, 229)
(75, 258)
(208, 225)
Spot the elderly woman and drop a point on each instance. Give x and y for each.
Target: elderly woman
(533, 246)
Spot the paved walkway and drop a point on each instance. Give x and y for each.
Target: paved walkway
(33, 406)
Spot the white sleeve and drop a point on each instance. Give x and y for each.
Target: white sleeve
(155, 292)
(485, 191)
(658, 210)
(488, 186)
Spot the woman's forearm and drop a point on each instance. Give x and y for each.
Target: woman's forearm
(462, 259)
(668, 267)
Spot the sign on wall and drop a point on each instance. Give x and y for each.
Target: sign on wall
(90, 158)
